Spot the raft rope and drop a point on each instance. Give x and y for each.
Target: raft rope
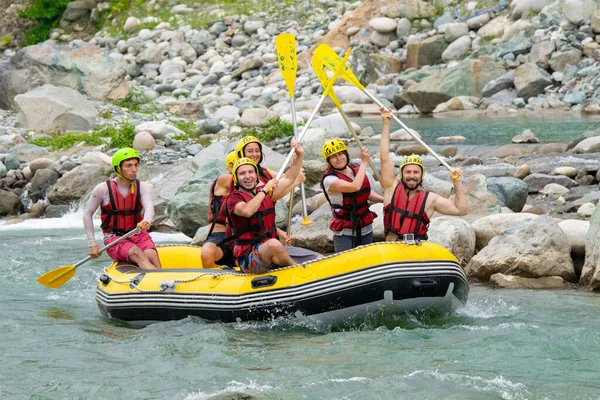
(172, 283)
(499, 7)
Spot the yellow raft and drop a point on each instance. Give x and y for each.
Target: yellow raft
(388, 277)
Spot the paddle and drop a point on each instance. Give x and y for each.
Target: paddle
(324, 79)
(337, 72)
(329, 58)
(285, 44)
(59, 276)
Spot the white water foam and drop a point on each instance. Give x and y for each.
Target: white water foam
(73, 219)
(498, 385)
(232, 387)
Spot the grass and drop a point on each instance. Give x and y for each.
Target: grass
(275, 128)
(118, 136)
(45, 15)
(137, 102)
(205, 11)
(5, 41)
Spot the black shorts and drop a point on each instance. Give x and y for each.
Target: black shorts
(228, 259)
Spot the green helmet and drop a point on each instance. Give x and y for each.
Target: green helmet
(122, 155)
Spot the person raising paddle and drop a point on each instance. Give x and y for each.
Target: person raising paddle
(407, 209)
(122, 200)
(347, 189)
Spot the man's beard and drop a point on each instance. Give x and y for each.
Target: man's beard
(411, 185)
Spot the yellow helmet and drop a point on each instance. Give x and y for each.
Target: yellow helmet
(239, 148)
(239, 163)
(413, 159)
(230, 159)
(332, 147)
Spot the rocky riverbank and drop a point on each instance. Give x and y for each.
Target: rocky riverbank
(181, 94)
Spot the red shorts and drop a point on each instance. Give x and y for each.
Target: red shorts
(120, 251)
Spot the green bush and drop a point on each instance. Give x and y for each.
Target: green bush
(45, 14)
(118, 136)
(273, 129)
(137, 102)
(5, 41)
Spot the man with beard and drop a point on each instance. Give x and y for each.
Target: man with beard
(408, 209)
(347, 189)
(252, 215)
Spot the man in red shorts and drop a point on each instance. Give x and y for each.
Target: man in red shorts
(122, 200)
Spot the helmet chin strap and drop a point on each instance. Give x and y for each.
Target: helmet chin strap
(130, 181)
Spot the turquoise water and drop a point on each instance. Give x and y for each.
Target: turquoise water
(492, 130)
(502, 345)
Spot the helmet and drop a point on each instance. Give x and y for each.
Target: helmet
(413, 159)
(332, 147)
(230, 159)
(239, 148)
(122, 155)
(239, 163)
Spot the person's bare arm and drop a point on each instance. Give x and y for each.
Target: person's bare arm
(223, 184)
(250, 208)
(290, 176)
(146, 199)
(458, 207)
(388, 175)
(375, 197)
(88, 214)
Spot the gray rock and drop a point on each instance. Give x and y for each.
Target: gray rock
(533, 249)
(530, 80)
(10, 204)
(55, 108)
(75, 184)
(41, 182)
(537, 182)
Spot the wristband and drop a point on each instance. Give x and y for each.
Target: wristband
(263, 191)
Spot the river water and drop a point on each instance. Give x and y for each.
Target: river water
(503, 345)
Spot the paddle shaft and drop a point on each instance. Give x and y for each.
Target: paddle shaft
(301, 135)
(418, 139)
(111, 244)
(336, 73)
(295, 123)
(358, 142)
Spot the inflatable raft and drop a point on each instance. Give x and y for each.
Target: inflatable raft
(387, 277)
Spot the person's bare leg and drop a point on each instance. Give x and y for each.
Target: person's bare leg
(152, 255)
(137, 256)
(210, 254)
(273, 252)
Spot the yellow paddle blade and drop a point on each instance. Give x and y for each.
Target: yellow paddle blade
(285, 44)
(57, 277)
(321, 73)
(332, 61)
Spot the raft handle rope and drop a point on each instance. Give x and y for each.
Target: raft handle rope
(164, 285)
(497, 8)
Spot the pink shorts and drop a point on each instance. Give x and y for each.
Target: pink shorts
(120, 251)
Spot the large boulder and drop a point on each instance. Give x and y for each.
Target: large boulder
(488, 227)
(533, 249)
(85, 68)
(426, 52)
(530, 80)
(590, 273)
(468, 78)
(75, 184)
(511, 192)
(41, 182)
(456, 235)
(55, 108)
(317, 237)
(10, 203)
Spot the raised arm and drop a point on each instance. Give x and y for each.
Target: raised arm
(457, 207)
(290, 176)
(342, 186)
(388, 175)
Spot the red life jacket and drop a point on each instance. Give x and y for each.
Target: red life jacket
(121, 214)
(354, 212)
(404, 216)
(254, 230)
(217, 206)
